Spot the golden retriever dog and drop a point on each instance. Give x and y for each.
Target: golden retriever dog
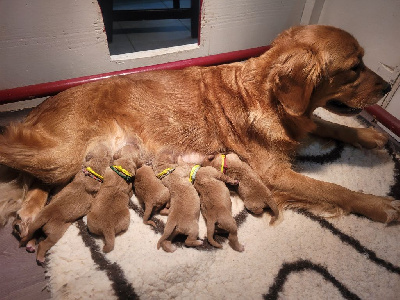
(109, 214)
(71, 203)
(151, 193)
(216, 205)
(259, 109)
(184, 211)
(251, 189)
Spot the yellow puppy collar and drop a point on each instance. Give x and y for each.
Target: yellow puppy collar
(122, 172)
(165, 173)
(223, 163)
(91, 173)
(193, 173)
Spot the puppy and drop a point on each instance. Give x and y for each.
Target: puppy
(71, 203)
(216, 205)
(151, 193)
(254, 193)
(260, 109)
(184, 211)
(109, 214)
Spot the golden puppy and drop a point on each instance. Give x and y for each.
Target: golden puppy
(254, 193)
(151, 193)
(184, 211)
(109, 214)
(216, 205)
(259, 109)
(71, 203)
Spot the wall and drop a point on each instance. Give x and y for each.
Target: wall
(43, 41)
(376, 25)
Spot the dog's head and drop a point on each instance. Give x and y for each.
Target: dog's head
(322, 66)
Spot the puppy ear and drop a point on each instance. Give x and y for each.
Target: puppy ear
(295, 76)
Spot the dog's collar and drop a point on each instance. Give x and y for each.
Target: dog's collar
(223, 163)
(193, 173)
(122, 172)
(88, 171)
(165, 173)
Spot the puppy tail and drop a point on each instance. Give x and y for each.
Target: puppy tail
(109, 240)
(13, 187)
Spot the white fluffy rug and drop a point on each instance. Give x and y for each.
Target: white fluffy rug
(303, 257)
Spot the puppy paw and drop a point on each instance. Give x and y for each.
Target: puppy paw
(194, 243)
(30, 246)
(237, 246)
(168, 246)
(393, 211)
(369, 138)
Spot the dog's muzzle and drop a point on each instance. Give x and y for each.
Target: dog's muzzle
(340, 108)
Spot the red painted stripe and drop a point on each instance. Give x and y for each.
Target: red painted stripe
(52, 88)
(388, 120)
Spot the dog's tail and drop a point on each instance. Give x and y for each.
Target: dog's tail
(29, 150)
(13, 187)
(109, 240)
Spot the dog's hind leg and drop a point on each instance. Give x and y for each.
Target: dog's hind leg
(54, 232)
(228, 223)
(191, 239)
(166, 245)
(303, 191)
(146, 216)
(210, 233)
(34, 201)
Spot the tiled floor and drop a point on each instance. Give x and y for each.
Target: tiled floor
(136, 36)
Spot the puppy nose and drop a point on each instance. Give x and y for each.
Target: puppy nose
(387, 89)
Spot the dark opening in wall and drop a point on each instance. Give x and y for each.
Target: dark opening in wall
(140, 25)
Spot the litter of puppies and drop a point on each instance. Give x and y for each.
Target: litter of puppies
(181, 190)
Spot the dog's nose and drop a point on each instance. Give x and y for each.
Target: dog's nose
(387, 89)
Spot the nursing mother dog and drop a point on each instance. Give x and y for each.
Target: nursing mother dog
(260, 109)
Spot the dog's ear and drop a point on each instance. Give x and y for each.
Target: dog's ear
(294, 77)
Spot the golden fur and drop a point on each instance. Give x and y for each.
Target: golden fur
(151, 193)
(254, 193)
(72, 202)
(109, 214)
(184, 211)
(259, 109)
(216, 205)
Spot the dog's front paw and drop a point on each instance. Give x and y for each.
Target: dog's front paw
(369, 138)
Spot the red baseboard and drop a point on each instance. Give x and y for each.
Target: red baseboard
(52, 88)
(388, 120)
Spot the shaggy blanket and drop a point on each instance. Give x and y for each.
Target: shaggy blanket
(305, 256)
